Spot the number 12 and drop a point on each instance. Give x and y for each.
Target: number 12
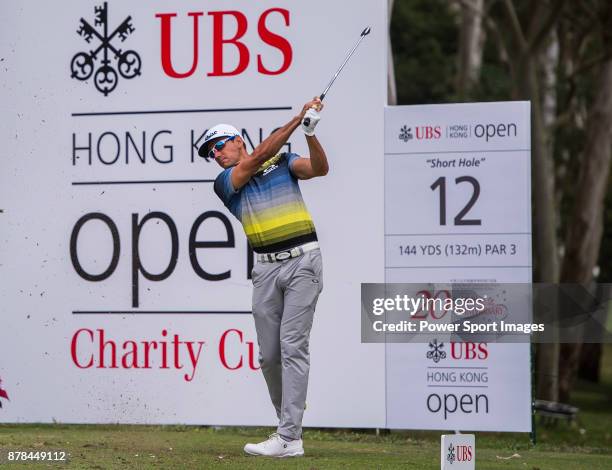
(459, 220)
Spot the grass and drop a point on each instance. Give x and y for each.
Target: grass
(585, 444)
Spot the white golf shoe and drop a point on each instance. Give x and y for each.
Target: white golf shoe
(276, 446)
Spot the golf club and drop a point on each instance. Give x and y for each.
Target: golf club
(364, 33)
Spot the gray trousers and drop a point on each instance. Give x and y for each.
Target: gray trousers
(285, 294)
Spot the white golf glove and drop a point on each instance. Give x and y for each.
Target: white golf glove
(312, 117)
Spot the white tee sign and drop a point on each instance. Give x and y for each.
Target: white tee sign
(457, 209)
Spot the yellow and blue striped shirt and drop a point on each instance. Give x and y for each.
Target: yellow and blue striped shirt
(270, 206)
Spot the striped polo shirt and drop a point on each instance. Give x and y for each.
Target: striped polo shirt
(270, 206)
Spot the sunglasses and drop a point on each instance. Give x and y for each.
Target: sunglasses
(219, 146)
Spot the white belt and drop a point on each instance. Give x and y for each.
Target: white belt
(283, 255)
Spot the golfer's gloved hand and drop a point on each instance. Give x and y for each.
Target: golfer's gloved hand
(311, 117)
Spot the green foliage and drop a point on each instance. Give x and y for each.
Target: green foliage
(424, 40)
(495, 79)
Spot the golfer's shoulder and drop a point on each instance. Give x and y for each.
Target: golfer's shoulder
(289, 157)
(223, 184)
(222, 177)
(223, 174)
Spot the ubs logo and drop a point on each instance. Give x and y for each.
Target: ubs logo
(420, 133)
(459, 453)
(109, 58)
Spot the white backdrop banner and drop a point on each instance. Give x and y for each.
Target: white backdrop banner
(457, 210)
(125, 288)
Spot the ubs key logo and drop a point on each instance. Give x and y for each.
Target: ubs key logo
(436, 351)
(126, 62)
(405, 133)
(450, 455)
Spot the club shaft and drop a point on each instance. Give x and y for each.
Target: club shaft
(365, 32)
(352, 51)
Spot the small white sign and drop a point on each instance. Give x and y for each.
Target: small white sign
(458, 452)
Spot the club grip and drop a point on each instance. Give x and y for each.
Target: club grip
(306, 121)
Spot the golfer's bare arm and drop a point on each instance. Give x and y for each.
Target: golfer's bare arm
(242, 173)
(316, 165)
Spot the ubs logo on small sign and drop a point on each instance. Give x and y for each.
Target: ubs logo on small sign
(458, 452)
(109, 58)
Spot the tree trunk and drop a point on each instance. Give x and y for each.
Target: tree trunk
(548, 354)
(543, 182)
(549, 61)
(547, 269)
(590, 362)
(585, 227)
(471, 43)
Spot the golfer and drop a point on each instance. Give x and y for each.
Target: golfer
(262, 191)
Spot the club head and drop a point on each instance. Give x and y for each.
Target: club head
(366, 31)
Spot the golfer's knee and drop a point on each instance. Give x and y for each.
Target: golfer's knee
(269, 358)
(294, 350)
